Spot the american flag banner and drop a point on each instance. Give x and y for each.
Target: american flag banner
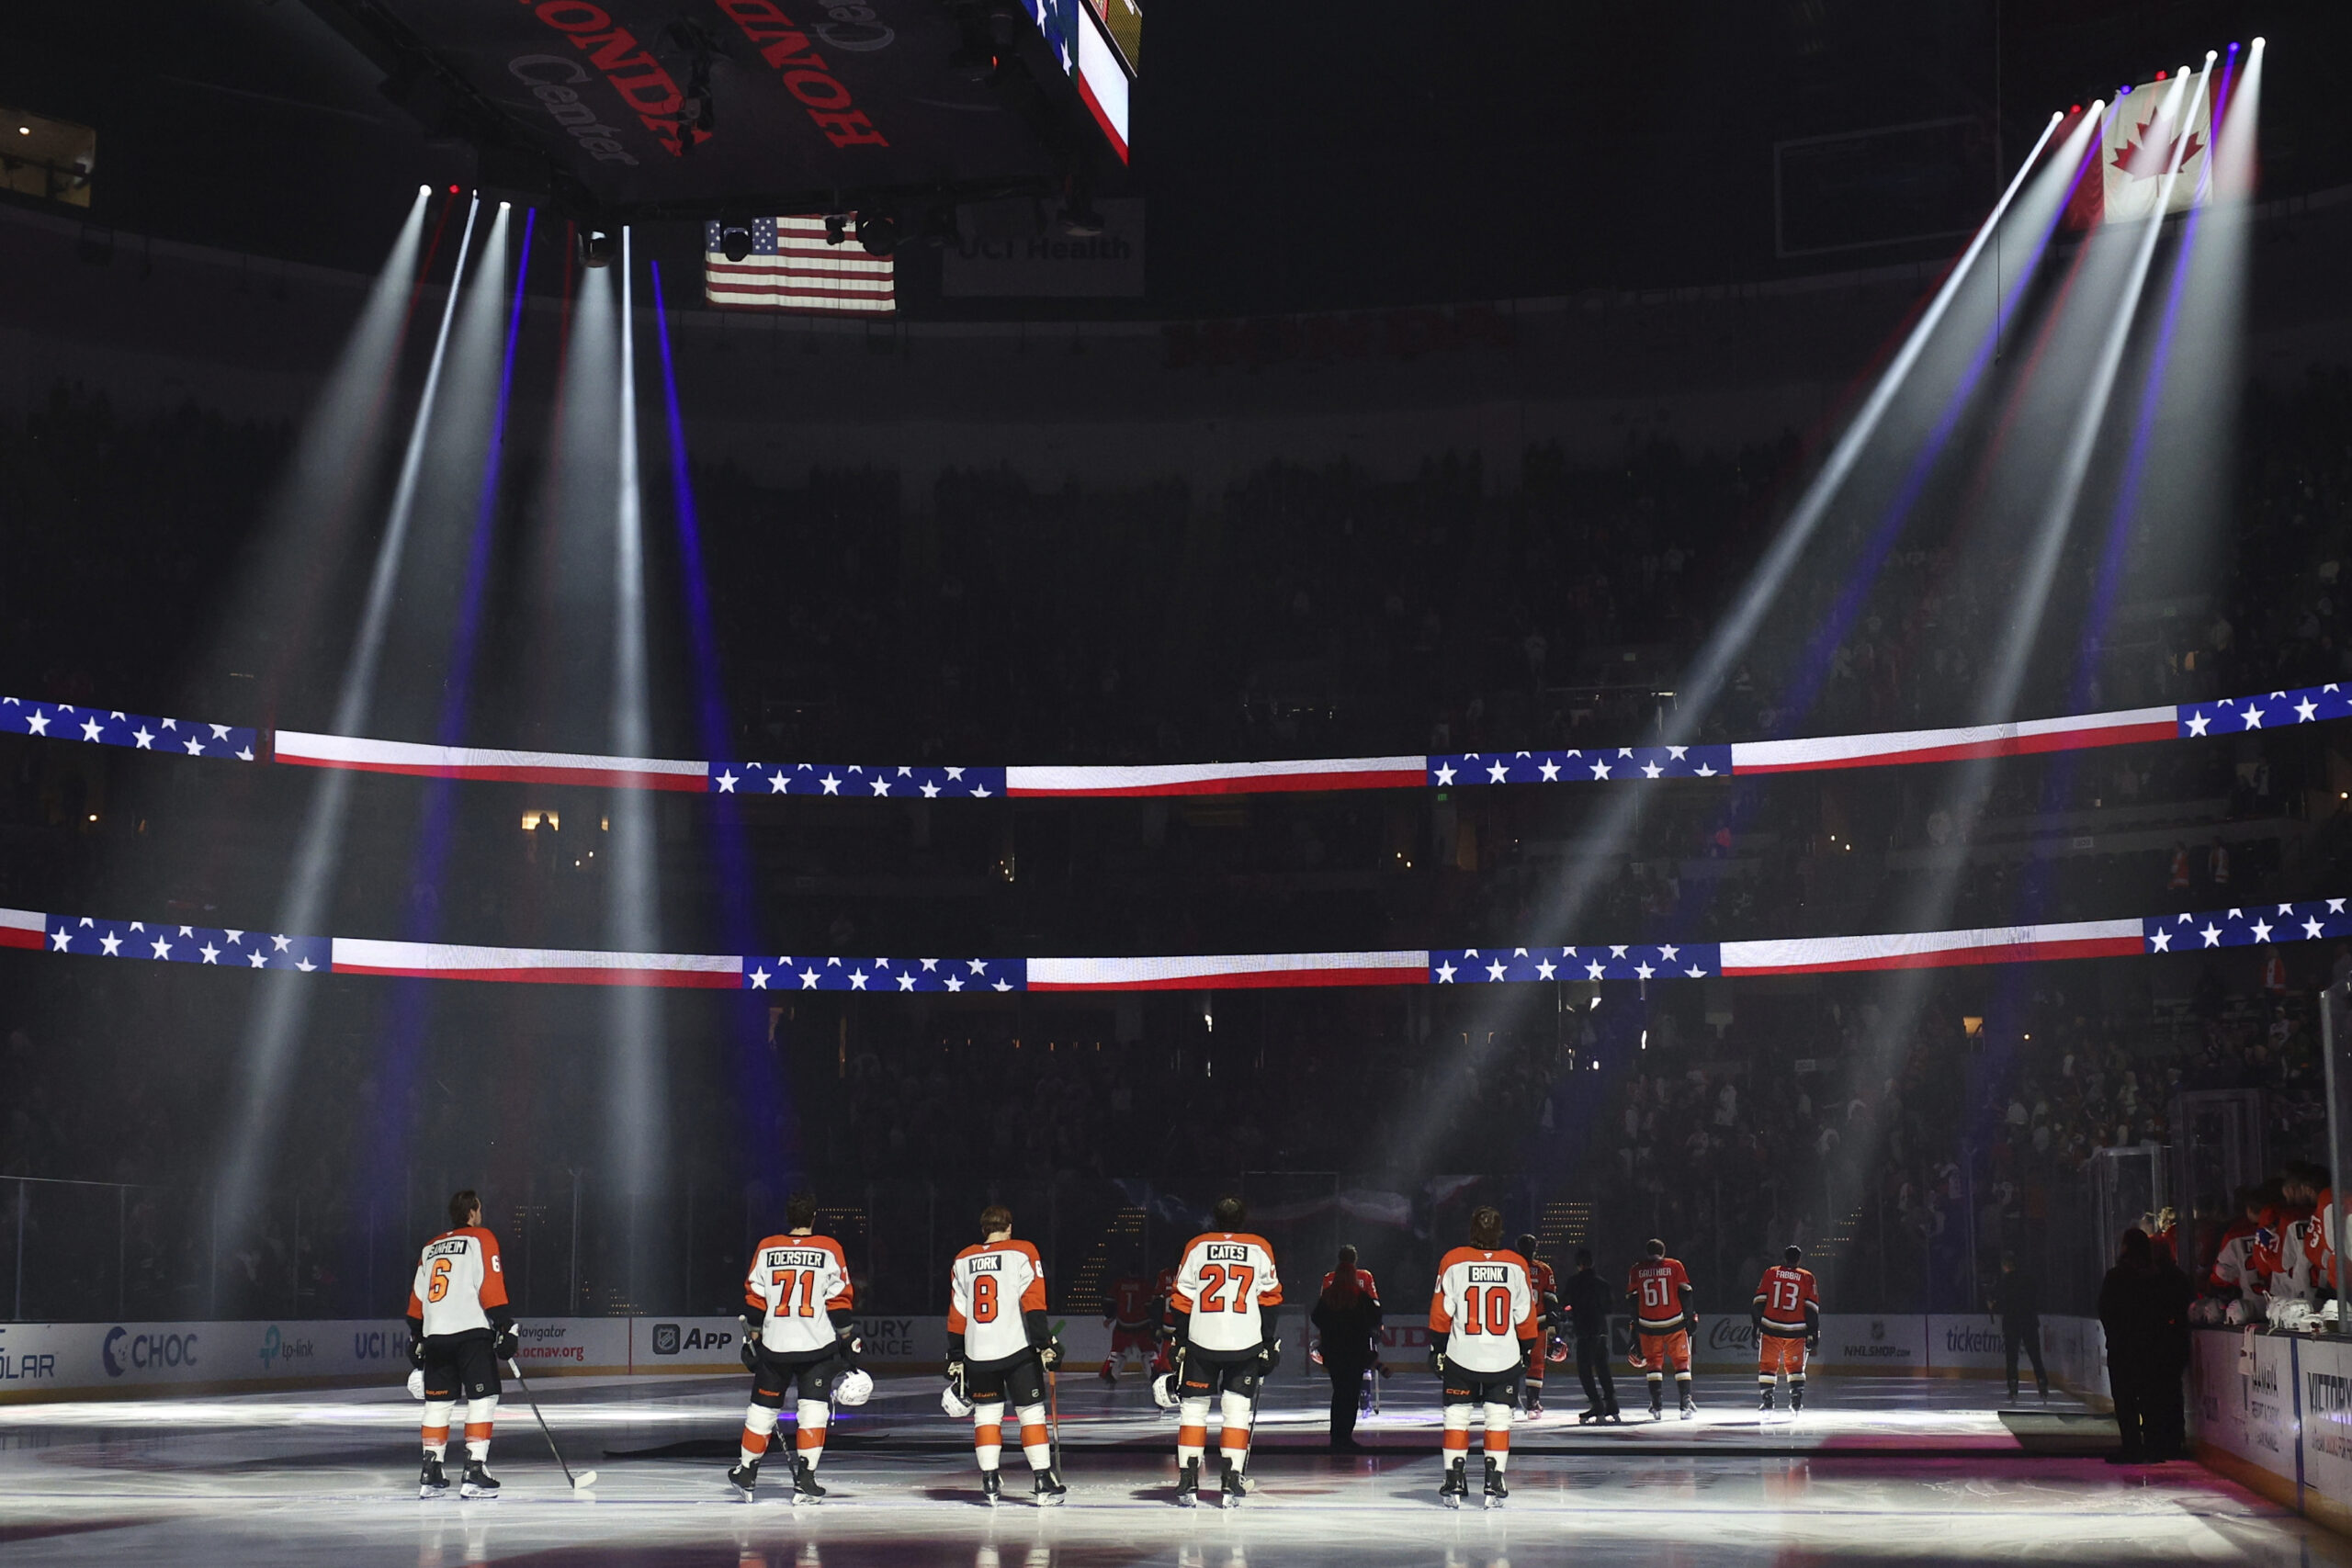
(792, 267)
(1451, 770)
(135, 731)
(84, 936)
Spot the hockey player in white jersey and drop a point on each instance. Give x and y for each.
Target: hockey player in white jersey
(1224, 1347)
(459, 1328)
(1482, 1331)
(797, 1337)
(1000, 1348)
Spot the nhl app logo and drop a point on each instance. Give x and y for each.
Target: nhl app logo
(665, 1338)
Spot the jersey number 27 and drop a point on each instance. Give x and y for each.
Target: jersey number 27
(1214, 1277)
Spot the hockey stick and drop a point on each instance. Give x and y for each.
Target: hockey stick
(580, 1481)
(1054, 1416)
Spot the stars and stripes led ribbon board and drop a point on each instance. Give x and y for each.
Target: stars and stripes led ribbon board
(138, 731)
(793, 267)
(1451, 770)
(85, 936)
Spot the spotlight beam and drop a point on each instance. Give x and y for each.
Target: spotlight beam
(264, 1057)
(638, 1114)
(1999, 694)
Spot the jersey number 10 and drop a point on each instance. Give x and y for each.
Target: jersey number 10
(791, 1283)
(1497, 1316)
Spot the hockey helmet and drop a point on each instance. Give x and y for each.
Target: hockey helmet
(855, 1387)
(952, 1400)
(1163, 1391)
(416, 1383)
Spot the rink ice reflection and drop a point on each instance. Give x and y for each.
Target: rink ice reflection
(328, 1478)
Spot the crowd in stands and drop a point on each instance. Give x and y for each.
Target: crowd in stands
(1322, 612)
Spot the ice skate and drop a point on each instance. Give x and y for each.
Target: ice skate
(1188, 1484)
(1496, 1490)
(1590, 1414)
(1657, 1406)
(1534, 1408)
(1234, 1487)
(1047, 1488)
(1764, 1402)
(1796, 1402)
(1689, 1411)
(991, 1487)
(1613, 1416)
(479, 1484)
(745, 1478)
(804, 1482)
(431, 1484)
(1457, 1484)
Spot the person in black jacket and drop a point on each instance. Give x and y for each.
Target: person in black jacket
(1347, 1322)
(1586, 1299)
(2167, 1417)
(2131, 1313)
(2017, 1302)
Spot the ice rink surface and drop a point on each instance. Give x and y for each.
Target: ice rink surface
(1896, 1471)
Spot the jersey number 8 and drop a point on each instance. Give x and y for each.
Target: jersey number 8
(438, 1285)
(983, 1298)
(1497, 1319)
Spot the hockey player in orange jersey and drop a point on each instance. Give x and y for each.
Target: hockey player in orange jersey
(1787, 1314)
(1482, 1333)
(797, 1334)
(1001, 1350)
(1224, 1347)
(1660, 1291)
(460, 1329)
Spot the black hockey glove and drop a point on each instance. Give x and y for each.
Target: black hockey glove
(1270, 1356)
(1437, 1360)
(1049, 1354)
(850, 1347)
(956, 1376)
(417, 1354)
(507, 1341)
(751, 1351)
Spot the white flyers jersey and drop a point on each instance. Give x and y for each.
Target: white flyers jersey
(797, 1281)
(989, 1287)
(1486, 1308)
(1225, 1278)
(458, 1279)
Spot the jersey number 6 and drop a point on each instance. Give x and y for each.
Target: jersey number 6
(438, 1285)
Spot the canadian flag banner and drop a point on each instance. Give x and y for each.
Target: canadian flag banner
(2147, 130)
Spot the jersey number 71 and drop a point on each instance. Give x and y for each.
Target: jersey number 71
(789, 1282)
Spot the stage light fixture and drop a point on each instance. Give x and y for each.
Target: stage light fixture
(596, 247)
(735, 241)
(877, 232)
